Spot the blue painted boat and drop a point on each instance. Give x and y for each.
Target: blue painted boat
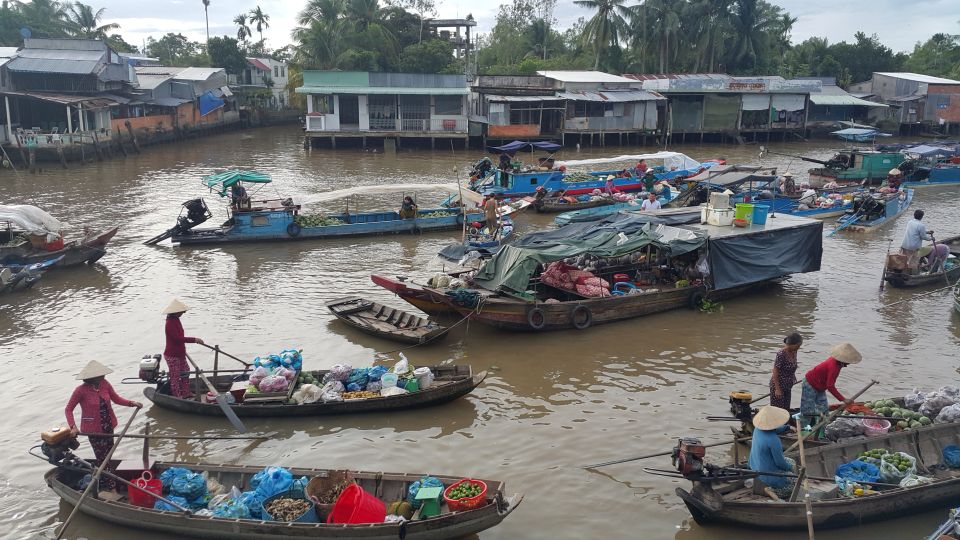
(872, 210)
(281, 219)
(524, 182)
(931, 165)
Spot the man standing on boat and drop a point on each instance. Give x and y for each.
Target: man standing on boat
(651, 203)
(491, 210)
(912, 240)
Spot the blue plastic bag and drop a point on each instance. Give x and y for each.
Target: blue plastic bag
(858, 471)
(272, 480)
(951, 456)
(354, 387)
(358, 376)
(190, 486)
(374, 373)
(160, 505)
(232, 508)
(253, 501)
(168, 476)
(426, 481)
(291, 358)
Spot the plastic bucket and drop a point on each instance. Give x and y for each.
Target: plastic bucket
(388, 380)
(310, 516)
(149, 483)
(743, 211)
(875, 426)
(760, 214)
(355, 505)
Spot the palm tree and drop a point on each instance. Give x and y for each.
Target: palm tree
(85, 22)
(713, 17)
(45, 18)
(261, 19)
(243, 31)
(320, 37)
(660, 21)
(206, 4)
(751, 27)
(604, 28)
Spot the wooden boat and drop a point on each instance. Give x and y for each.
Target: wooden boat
(898, 276)
(386, 322)
(730, 502)
(385, 486)
(872, 210)
(450, 383)
(19, 277)
(88, 249)
(956, 297)
(553, 205)
(426, 300)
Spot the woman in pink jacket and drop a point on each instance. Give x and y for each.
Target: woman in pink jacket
(95, 397)
(175, 353)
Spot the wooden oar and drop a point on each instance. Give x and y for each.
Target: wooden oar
(221, 401)
(95, 478)
(806, 487)
(189, 437)
(216, 348)
(658, 454)
(883, 276)
(828, 419)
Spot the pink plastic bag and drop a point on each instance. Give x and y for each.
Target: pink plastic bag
(258, 375)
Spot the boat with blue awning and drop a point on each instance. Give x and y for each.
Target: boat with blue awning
(870, 210)
(279, 219)
(931, 165)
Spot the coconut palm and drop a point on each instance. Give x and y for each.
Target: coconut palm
(243, 31)
(45, 18)
(85, 23)
(751, 27)
(660, 22)
(712, 22)
(261, 19)
(320, 36)
(206, 17)
(605, 28)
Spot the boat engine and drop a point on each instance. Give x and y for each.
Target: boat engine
(58, 444)
(688, 456)
(150, 368)
(197, 213)
(740, 406)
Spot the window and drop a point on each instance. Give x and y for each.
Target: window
(283, 71)
(276, 71)
(584, 109)
(322, 103)
(447, 105)
(524, 116)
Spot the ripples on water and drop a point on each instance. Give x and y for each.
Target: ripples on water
(551, 402)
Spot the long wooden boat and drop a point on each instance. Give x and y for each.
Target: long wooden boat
(956, 297)
(870, 212)
(86, 250)
(386, 486)
(902, 278)
(730, 502)
(21, 277)
(450, 383)
(386, 322)
(554, 205)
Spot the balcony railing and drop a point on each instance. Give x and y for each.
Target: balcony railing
(414, 125)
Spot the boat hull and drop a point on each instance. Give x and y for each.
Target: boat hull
(386, 322)
(87, 250)
(898, 278)
(427, 301)
(552, 207)
(435, 395)
(893, 210)
(444, 527)
(948, 175)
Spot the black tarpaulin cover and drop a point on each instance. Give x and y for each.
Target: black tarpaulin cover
(751, 258)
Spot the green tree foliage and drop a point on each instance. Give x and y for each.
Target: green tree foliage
(846, 62)
(84, 22)
(176, 50)
(939, 56)
(225, 52)
(243, 31)
(431, 56)
(117, 43)
(260, 19)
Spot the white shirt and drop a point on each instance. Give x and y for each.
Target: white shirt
(915, 235)
(648, 205)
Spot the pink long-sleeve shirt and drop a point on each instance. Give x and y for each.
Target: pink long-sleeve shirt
(88, 398)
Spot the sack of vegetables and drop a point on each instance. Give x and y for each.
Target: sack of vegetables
(896, 466)
(465, 495)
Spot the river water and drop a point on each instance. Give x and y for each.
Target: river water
(551, 403)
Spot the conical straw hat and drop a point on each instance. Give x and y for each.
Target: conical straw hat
(770, 417)
(846, 353)
(93, 369)
(176, 306)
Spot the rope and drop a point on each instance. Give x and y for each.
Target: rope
(402, 349)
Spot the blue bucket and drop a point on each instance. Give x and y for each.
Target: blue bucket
(760, 214)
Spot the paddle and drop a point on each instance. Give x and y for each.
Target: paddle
(658, 454)
(190, 437)
(806, 487)
(221, 401)
(883, 275)
(854, 218)
(94, 479)
(828, 418)
(216, 348)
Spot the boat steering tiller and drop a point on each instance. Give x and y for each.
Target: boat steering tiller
(197, 213)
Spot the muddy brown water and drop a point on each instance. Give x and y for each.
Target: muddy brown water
(552, 402)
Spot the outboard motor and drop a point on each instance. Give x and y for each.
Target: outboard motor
(740, 405)
(688, 456)
(150, 368)
(197, 213)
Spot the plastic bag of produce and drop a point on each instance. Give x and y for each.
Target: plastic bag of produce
(231, 508)
(374, 386)
(332, 391)
(358, 377)
(271, 480)
(403, 366)
(913, 480)
(339, 372)
(843, 428)
(168, 476)
(273, 383)
(258, 374)
(254, 503)
(857, 471)
(392, 391)
(308, 393)
(292, 359)
(950, 413)
(287, 374)
(426, 481)
(894, 467)
(914, 399)
(190, 486)
(936, 401)
(160, 505)
(374, 373)
(269, 362)
(951, 456)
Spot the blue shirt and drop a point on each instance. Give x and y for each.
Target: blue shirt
(766, 455)
(915, 235)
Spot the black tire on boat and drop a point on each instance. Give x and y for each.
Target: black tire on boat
(294, 229)
(536, 318)
(696, 299)
(581, 317)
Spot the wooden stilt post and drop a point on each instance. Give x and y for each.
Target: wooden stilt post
(33, 159)
(133, 136)
(120, 142)
(63, 158)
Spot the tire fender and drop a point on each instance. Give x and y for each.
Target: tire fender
(536, 319)
(293, 229)
(578, 311)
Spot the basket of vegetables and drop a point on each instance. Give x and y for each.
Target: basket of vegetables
(465, 495)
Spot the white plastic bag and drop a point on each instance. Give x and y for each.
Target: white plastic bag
(392, 391)
(332, 391)
(914, 399)
(936, 401)
(308, 393)
(339, 372)
(914, 480)
(401, 367)
(950, 413)
(890, 474)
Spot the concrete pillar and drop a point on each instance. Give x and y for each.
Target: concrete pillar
(69, 120)
(80, 111)
(6, 104)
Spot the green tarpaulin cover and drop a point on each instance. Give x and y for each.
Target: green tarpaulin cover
(513, 266)
(222, 182)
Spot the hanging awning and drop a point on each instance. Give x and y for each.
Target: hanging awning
(222, 182)
(498, 98)
(524, 145)
(842, 100)
(87, 102)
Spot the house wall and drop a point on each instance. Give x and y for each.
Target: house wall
(943, 102)
(410, 115)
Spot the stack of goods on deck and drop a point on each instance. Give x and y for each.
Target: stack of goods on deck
(344, 382)
(561, 275)
(915, 410)
(275, 373)
(274, 494)
(316, 220)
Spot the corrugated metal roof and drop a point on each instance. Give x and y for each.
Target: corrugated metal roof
(8, 52)
(584, 76)
(913, 97)
(839, 100)
(197, 73)
(918, 77)
(151, 82)
(90, 102)
(158, 70)
(65, 44)
(167, 102)
(610, 96)
(56, 61)
(522, 98)
(395, 90)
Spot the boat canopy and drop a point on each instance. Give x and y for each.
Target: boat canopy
(222, 182)
(31, 220)
(671, 160)
(516, 146)
(925, 150)
(859, 134)
(451, 188)
(515, 264)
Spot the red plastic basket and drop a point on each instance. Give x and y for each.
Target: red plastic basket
(149, 483)
(459, 505)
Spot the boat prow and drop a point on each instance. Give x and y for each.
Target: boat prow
(425, 300)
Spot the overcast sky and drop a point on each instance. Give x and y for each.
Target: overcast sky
(899, 24)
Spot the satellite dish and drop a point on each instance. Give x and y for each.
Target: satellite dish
(25, 32)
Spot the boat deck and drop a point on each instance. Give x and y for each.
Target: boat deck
(774, 223)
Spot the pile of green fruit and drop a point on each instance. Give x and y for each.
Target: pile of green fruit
(316, 220)
(897, 459)
(465, 490)
(307, 377)
(438, 213)
(906, 419)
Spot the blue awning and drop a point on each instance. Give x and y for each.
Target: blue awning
(925, 150)
(524, 145)
(209, 103)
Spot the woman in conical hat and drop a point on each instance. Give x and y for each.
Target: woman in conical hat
(823, 377)
(766, 451)
(175, 352)
(95, 397)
